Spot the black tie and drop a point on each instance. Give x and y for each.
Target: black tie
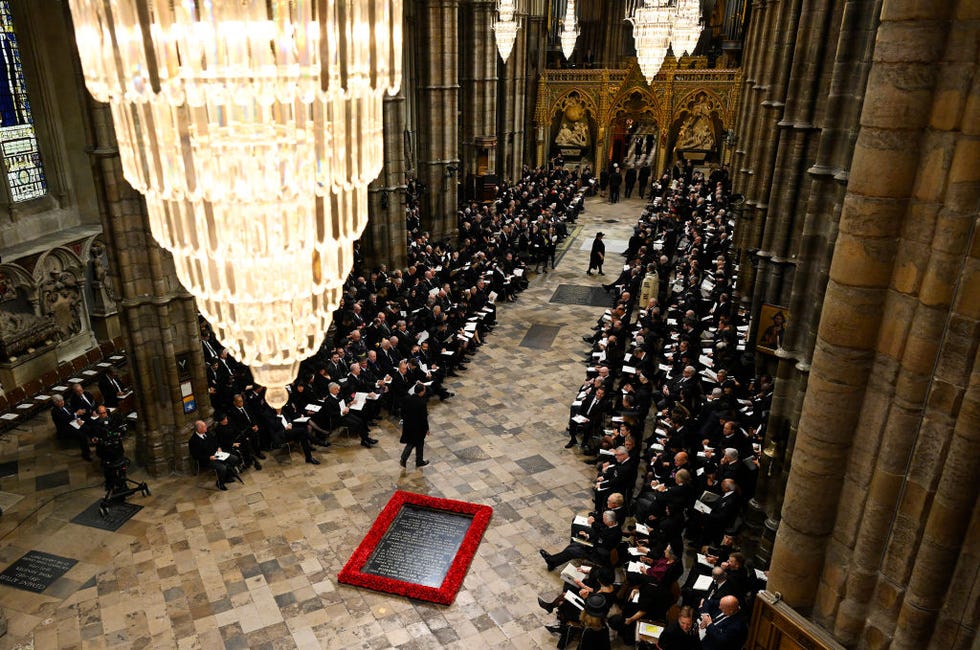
(245, 413)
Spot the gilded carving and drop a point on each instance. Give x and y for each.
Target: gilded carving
(708, 96)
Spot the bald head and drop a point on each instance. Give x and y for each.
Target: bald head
(728, 605)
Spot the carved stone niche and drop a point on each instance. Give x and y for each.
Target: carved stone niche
(60, 280)
(27, 341)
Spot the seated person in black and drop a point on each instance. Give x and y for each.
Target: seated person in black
(204, 448)
(604, 537)
(231, 440)
(340, 415)
(682, 634)
(282, 428)
(63, 418)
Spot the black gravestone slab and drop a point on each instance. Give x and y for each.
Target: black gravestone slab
(540, 337)
(419, 545)
(119, 513)
(36, 571)
(8, 469)
(52, 480)
(576, 294)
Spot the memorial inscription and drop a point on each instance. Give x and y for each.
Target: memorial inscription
(419, 546)
(36, 571)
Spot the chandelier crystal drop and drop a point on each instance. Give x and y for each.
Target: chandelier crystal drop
(569, 30)
(252, 128)
(505, 28)
(657, 24)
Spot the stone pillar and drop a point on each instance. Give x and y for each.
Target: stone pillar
(516, 100)
(478, 82)
(159, 318)
(881, 497)
(385, 236)
(438, 120)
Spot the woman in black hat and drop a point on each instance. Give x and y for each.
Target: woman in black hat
(595, 634)
(597, 255)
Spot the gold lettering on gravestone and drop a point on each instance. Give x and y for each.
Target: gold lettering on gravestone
(419, 546)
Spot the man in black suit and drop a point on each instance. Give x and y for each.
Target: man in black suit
(615, 180)
(593, 408)
(604, 537)
(229, 438)
(81, 402)
(726, 631)
(631, 181)
(204, 449)
(282, 428)
(340, 415)
(247, 427)
(63, 418)
(111, 388)
(415, 425)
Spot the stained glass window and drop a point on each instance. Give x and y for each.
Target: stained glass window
(18, 141)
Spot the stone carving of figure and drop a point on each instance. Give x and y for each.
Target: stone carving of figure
(696, 133)
(102, 292)
(573, 134)
(63, 301)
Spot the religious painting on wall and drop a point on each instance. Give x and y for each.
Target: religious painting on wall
(773, 320)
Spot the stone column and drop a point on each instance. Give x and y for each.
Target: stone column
(516, 100)
(478, 82)
(159, 318)
(437, 119)
(867, 446)
(385, 236)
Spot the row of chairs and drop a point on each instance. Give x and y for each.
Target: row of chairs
(20, 403)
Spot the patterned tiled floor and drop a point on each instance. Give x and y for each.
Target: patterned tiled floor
(256, 567)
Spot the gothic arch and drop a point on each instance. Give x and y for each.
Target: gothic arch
(16, 282)
(580, 95)
(697, 124)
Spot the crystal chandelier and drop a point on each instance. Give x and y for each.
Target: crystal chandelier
(505, 28)
(569, 30)
(686, 31)
(252, 128)
(657, 23)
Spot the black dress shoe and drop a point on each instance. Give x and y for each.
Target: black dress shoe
(571, 443)
(422, 464)
(554, 629)
(402, 462)
(547, 559)
(546, 605)
(259, 455)
(312, 461)
(372, 441)
(221, 486)
(258, 466)
(365, 443)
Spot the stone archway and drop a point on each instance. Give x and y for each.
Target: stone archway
(633, 129)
